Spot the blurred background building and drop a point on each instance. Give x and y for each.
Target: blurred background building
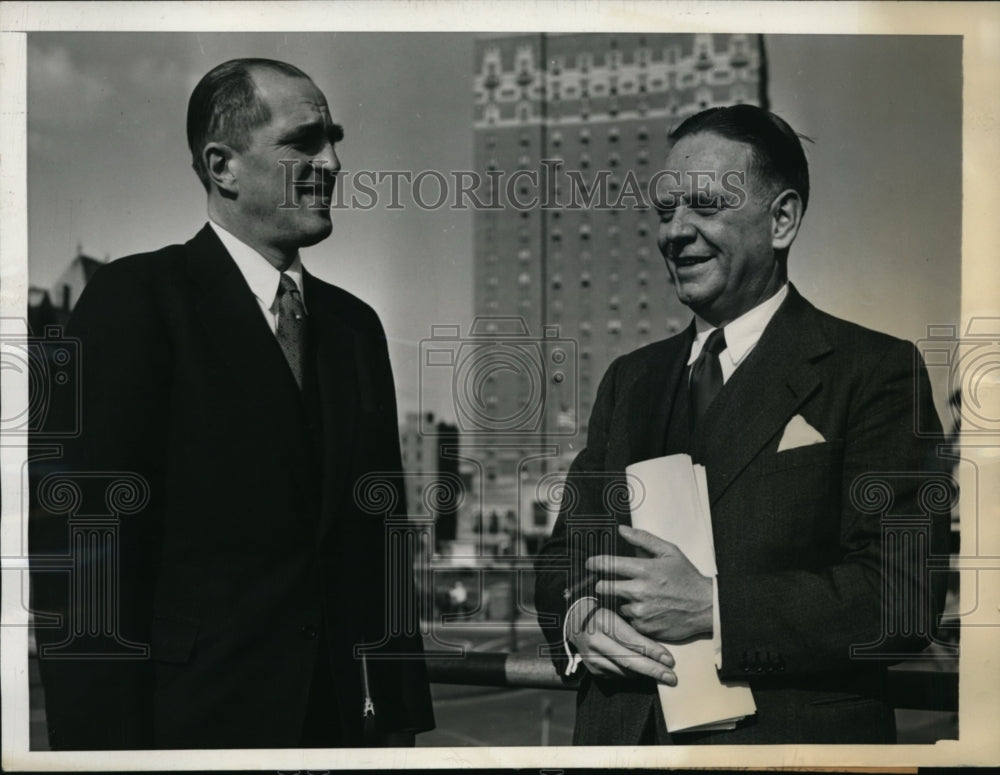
(52, 306)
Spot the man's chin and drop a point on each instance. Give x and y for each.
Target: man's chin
(320, 227)
(692, 295)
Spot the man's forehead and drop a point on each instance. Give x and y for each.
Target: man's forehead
(707, 147)
(290, 98)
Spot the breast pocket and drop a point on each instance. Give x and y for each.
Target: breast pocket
(825, 454)
(801, 491)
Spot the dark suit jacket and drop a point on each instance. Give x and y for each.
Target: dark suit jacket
(252, 540)
(807, 566)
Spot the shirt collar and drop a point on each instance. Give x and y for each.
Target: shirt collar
(259, 273)
(741, 334)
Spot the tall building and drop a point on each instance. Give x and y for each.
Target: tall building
(558, 119)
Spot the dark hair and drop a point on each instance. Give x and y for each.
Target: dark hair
(776, 147)
(226, 106)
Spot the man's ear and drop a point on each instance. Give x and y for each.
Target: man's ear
(219, 162)
(786, 216)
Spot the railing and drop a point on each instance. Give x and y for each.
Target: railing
(911, 689)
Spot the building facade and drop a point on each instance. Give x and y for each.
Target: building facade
(569, 132)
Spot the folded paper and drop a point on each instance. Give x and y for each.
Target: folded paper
(670, 500)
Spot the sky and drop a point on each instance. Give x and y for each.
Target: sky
(108, 166)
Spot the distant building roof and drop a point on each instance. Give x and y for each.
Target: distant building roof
(67, 289)
(89, 264)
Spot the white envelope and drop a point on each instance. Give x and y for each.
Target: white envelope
(799, 433)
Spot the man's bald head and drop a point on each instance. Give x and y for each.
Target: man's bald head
(226, 107)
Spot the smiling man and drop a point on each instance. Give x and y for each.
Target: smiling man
(805, 425)
(250, 398)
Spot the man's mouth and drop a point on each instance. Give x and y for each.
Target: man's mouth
(685, 261)
(322, 192)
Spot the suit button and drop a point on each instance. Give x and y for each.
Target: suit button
(308, 631)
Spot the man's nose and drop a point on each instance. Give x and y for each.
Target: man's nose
(679, 227)
(327, 159)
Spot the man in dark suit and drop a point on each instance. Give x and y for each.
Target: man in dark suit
(820, 490)
(244, 400)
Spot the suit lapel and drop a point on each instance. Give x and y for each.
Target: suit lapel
(242, 340)
(763, 394)
(652, 395)
(337, 400)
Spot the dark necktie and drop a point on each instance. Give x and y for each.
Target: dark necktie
(706, 375)
(290, 327)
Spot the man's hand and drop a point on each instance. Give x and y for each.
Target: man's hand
(608, 645)
(665, 597)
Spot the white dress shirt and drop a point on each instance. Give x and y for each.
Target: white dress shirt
(260, 274)
(742, 336)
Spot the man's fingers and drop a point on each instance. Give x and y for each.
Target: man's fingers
(613, 565)
(625, 634)
(626, 589)
(633, 652)
(629, 662)
(646, 540)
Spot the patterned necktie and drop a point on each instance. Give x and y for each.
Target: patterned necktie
(706, 375)
(291, 325)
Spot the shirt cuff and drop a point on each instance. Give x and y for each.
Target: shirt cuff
(716, 624)
(573, 656)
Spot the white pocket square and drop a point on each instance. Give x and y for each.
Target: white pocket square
(799, 433)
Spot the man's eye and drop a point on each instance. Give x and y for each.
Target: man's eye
(665, 213)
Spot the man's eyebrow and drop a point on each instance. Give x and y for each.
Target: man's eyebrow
(314, 128)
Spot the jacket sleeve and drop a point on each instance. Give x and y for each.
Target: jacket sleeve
(876, 598)
(94, 658)
(585, 526)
